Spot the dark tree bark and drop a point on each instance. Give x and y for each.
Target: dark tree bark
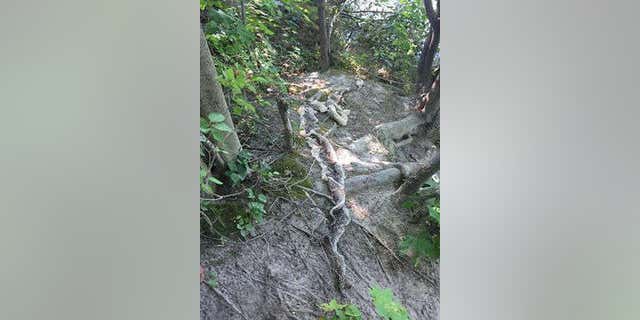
(428, 104)
(242, 12)
(324, 37)
(425, 78)
(428, 84)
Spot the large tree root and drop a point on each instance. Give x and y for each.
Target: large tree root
(331, 105)
(401, 129)
(333, 174)
(415, 180)
(376, 179)
(394, 174)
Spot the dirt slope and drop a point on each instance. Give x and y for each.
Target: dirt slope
(285, 270)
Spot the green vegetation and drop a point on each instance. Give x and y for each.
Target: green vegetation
(256, 46)
(252, 55)
(244, 213)
(383, 300)
(384, 44)
(213, 280)
(338, 311)
(249, 51)
(387, 306)
(424, 244)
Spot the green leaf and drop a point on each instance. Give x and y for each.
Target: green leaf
(409, 204)
(386, 306)
(434, 213)
(203, 123)
(216, 117)
(217, 136)
(333, 305)
(222, 127)
(419, 246)
(228, 74)
(262, 198)
(235, 178)
(353, 311)
(207, 188)
(215, 180)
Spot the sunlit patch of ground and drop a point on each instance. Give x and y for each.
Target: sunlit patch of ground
(357, 210)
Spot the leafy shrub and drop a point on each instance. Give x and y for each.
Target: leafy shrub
(386, 306)
(255, 214)
(426, 243)
(419, 246)
(383, 300)
(252, 54)
(386, 45)
(340, 311)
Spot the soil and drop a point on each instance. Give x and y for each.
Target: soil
(284, 270)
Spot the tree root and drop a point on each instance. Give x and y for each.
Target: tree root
(331, 106)
(401, 132)
(341, 217)
(391, 175)
(386, 176)
(414, 181)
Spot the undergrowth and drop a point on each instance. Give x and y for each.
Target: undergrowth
(424, 244)
(235, 200)
(386, 306)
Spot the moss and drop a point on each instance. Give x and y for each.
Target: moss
(291, 166)
(222, 215)
(324, 95)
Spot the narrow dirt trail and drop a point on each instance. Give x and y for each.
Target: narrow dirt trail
(315, 249)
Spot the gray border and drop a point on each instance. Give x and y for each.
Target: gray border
(540, 160)
(99, 160)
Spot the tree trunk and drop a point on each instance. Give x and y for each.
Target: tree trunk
(430, 47)
(212, 101)
(283, 108)
(340, 7)
(324, 37)
(413, 183)
(243, 12)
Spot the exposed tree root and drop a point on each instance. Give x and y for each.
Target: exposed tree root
(303, 255)
(375, 179)
(341, 217)
(414, 181)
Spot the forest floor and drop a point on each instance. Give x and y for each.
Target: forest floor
(285, 269)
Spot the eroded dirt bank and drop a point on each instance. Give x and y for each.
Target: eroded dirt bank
(286, 269)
